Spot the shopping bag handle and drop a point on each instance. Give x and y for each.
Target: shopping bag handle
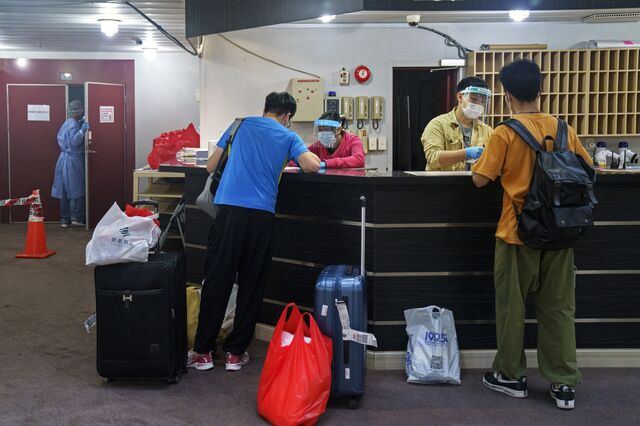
(311, 328)
(291, 309)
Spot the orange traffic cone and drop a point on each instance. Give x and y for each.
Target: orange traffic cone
(36, 245)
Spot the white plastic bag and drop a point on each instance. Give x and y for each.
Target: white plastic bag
(119, 238)
(287, 338)
(432, 350)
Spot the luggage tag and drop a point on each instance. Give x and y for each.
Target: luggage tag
(90, 322)
(353, 335)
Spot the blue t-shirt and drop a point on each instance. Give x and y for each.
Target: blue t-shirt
(259, 151)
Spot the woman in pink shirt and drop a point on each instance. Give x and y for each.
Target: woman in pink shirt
(336, 147)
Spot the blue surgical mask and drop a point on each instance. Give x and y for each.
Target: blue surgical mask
(327, 139)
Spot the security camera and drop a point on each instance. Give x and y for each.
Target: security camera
(413, 20)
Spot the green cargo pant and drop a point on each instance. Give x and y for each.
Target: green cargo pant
(549, 276)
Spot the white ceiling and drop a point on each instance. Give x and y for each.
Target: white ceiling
(393, 17)
(72, 25)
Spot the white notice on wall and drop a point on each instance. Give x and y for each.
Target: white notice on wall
(106, 114)
(37, 112)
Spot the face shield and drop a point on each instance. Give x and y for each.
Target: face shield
(475, 102)
(325, 132)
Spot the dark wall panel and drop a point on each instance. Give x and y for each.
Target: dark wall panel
(460, 5)
(217, 16)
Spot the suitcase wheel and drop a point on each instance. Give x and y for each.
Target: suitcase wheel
(353, 403)
(174, 379)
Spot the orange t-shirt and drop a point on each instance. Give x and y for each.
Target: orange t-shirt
(508, 156)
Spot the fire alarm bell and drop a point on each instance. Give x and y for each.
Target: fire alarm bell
(362, 74)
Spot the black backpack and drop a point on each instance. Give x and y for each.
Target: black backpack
(559, 206)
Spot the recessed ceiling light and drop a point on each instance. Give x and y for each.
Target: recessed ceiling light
(327, 18)
(109, 26)
(518, 15)
(22, 62)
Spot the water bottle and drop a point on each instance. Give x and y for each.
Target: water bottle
(623, 147)
(601, 154)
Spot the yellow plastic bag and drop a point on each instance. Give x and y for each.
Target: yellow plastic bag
(193, 311)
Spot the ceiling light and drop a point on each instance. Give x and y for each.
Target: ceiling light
(22, 62)
(327, 18)
(109, 26)
(518, 15)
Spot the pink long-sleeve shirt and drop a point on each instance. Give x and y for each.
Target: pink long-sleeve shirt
(349, 154)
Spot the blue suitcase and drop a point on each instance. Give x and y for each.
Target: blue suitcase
(344, 283)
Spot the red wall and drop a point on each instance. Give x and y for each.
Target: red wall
(47, 71)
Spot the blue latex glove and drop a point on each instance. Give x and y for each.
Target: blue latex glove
(323, 165)
(85, 127)
(473, 152)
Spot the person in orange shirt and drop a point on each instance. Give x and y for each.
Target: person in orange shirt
(547, 275)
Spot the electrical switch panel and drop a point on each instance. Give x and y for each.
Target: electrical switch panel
(309, 96)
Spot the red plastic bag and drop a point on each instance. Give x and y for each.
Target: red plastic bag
(168, 143)
(139, 211)
(295, 383)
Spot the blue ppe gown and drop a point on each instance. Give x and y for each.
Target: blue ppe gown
(68, 182)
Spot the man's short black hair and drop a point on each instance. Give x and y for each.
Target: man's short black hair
(280, 103)
(522, 79)
(470, 81)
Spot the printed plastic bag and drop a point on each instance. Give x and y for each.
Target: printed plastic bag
(296, 378)
(432, 350)
(119, 238)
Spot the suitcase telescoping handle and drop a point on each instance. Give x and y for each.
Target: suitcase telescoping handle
(363, 201)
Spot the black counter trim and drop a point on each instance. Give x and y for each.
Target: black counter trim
(279, 303)
(298, 262)
(439, 273)
(526, 321)
(195, 246)
(423, 225)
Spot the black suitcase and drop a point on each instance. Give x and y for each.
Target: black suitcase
(142, 318)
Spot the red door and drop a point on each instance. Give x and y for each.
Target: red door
(33, 143)
(106, 173)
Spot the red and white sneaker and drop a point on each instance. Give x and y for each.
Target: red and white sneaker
(200, 362)
(235, 362)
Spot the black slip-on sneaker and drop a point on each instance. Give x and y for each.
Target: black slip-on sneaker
(495, 381)
(564, 395)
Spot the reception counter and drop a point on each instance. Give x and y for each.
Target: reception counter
(430, 241)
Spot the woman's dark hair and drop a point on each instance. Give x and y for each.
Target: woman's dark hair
(280, 103)
(522, 79)
(334, 116)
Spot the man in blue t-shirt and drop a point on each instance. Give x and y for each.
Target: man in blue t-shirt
(240, 242)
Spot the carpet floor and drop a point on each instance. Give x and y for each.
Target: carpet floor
(48, 374)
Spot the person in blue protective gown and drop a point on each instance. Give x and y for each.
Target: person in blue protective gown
(68, 181)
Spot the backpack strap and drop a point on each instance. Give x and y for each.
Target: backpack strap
(524, 133)
(217, 173)
(560, 143)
